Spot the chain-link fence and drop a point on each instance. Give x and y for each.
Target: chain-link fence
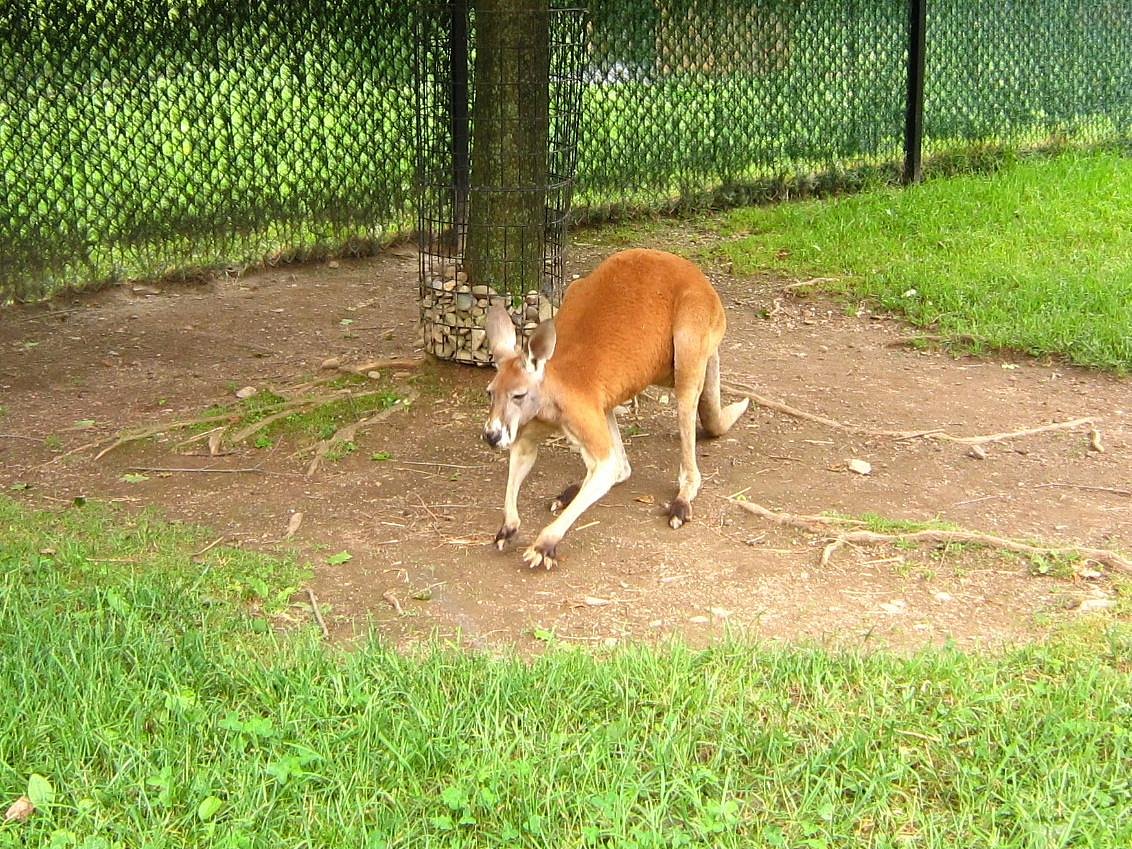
(150, 137)
(142, 137)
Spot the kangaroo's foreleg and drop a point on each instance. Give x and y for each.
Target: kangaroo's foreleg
(524, 452)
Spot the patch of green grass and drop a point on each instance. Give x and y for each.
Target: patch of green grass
(158, 709)
(324, 420)
(318, 422)
(887, 525)
(1036, 257)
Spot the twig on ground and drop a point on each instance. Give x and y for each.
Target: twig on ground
(1095, 443)
(908, 341)
(813, 281)
(318, 614)
(377, 365)
(393, 602)
(445, 465)
(21, 436)
(207, 548)
(189, 470)
(786, 409)
(823, 524)
(1125, 492)
(198, 438)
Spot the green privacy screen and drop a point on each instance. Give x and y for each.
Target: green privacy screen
(141, 138)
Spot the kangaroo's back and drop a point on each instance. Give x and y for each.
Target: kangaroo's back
(616, 327)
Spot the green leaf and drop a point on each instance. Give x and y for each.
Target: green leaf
(131, 477)
(118, 604)
(339, 558)
(454, 798)
(83, 424)
(40, 791)
(208, 808)
(443, 823)
(380, 456)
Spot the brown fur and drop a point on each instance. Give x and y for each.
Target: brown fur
(643, 317)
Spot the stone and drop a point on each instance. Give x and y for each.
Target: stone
(449, 285)
(478, 337)
(531, 314)
(464, 302)
(480, 291)
(545, 309)
(464, 356)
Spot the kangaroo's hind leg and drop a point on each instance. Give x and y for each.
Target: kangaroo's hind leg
(691, 351)
(624, 470)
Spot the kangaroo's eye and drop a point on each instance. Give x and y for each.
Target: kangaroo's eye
(519, 397)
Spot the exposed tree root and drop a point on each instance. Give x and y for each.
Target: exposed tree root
(346, 433)
(145, 433)
(935, 433)
(843, 532)
(281, 410)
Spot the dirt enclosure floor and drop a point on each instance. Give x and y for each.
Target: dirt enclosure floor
(418, 525)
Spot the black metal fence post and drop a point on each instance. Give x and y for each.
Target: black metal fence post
(914, 114)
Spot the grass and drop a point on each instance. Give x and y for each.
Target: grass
(1036, 257)
(153, 706)
(319, 422)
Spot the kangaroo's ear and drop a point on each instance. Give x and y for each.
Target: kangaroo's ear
(541, 347)
(500, 333)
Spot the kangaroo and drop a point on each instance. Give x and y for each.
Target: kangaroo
(641, 318)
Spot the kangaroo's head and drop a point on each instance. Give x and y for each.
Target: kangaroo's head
(516, 392)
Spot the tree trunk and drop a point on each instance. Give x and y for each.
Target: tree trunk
(510, 140)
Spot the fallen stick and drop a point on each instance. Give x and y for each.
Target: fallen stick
(445, 465)
(21, 436)
(207, 548)
(189, 470)
(935, 433)
(394, 603)
(377, 365)
(1125, 492)
(813, 281)
(823, 524)
(318, 614)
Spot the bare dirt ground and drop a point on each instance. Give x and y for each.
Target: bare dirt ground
(420, 522)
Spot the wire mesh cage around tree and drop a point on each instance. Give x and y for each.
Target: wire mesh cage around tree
(498, 109)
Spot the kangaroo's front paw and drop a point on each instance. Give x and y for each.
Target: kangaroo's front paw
(679, 512)
(543, 554)
(505, 535)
